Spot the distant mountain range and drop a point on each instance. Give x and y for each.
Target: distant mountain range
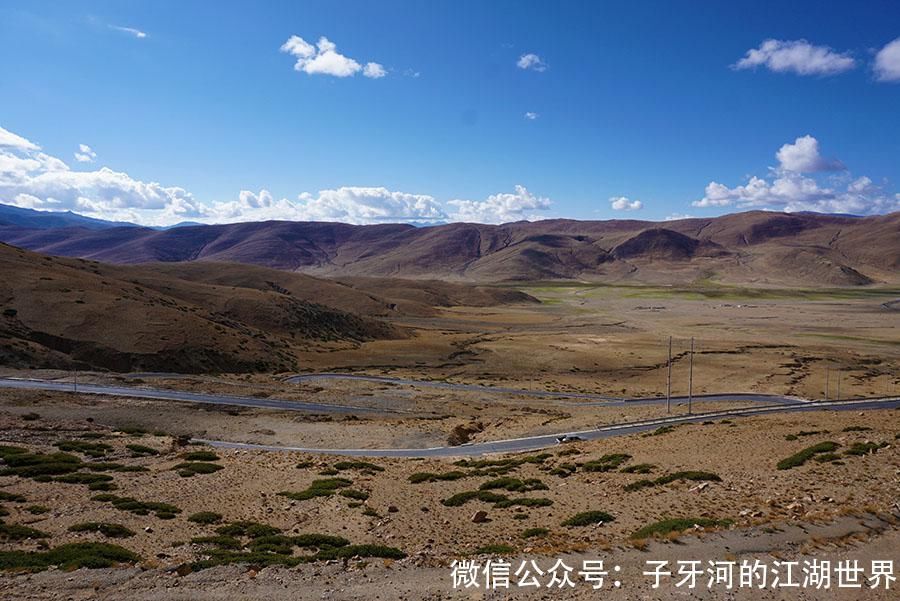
(755, 247)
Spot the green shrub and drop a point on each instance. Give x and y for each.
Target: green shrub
(91, 449)
(432, 477)
(205, 517)
(668, 526)
(162, 510)
(37, 509)
(68, 557)
(664, 430)
(83, 478)
(524, 502)
(535, 532)
(222, 541)
(104, 528)
(248, 529)
(200, 456)
(139, 450)
(564, 470)
(587, 518)
(865, 448)
(695, 476)
(16, 532)
(25, 464)
(319, 488)
(11, 497)
(319, 541)
(857, 429)
(359, 495)
(638, 485)
(606, 463)
(361, 551)
(798, 459)
(464, 497)
(192, 468)
(514, 484)
(640, 468)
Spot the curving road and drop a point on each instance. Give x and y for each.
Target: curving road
(535, 443)
(782, 404)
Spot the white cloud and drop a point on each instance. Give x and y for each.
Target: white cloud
(797, 56)
(531, 116)
(532, 62)
(623, 203)
(11, 140)
(887, 62)
(677, 216)
(788, 188)
(803, 157)
(324, 59)
(130, 30)
(85, 154)
(500, 208)
(374, 71)
(32, 179)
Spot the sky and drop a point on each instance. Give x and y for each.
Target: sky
(427, 112)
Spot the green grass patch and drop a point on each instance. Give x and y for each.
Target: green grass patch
(798, 459)
(131, 505)
(192, 468)
(222, 541)
(205, 517)
(200, 456)
(25, 464)
(419, 477)
(661, 430)
(324, 487)
(359, 495)
(607, 463)
(11, 497)
(17, 532)
(563, 470)
(83, 478)
(68, 557)
(361, 551)
(105, 528)
(37, 509)
(462, 498)
(586, 518)
(248, 529)
(91, 449)
(865, 448)
(694, 476)
(535, 532)
(514, 484)
(640, 468)
(139, 450)
(665, 527)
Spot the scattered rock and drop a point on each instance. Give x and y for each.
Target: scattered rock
(479, 517)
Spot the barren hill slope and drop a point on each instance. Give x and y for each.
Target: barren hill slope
(750, 248)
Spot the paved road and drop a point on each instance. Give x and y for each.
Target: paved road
(589, 399)
(189, 397)
(534, 443)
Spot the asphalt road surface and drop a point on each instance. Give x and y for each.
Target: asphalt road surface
(779, 404)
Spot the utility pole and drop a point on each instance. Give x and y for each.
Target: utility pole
(838, 396)
(691, 377)
(669, 380)
(826, 383)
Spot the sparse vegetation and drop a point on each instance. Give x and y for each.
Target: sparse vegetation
(695, 476)
(432, 477)
(363, 466)
(68, 557)
(205, 517)
(535, 532)
(514, 484)
(162, 510)
(359, 495)
(865, 448)
(139, 450)
(665, 430)
(17, 532)
(12, 497)
(640, 468)
(91, 449)
(798, 459)
(192, 468)
(606, 463)
(37, 509)
(495, 549)
(319, 488)
(587, 518)
(200, 456)
(857, 429)
(105, 528)
(668, 526)
(248, 529)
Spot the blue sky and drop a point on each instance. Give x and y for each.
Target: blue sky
(197, 111)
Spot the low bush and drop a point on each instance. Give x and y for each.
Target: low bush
(37, 509)
(200, 456)
(139, 450)
(695, 476)
(432, 477)
(798, 459)
(192, 468)
(857, 429)
(11, 497)
(17, 532)
(587, 518)
(68, 557)
(464, 497)
(162, 510)
(222, 541)
(865, 448)
(665, 527)
(606, 463)
(359, 495)
(248, 529)
(361, 551)
(514, 484)
(363, 466)
(105, 528)
(91, 449)
(205, 517)
(319, 488)
(535, 532)
(640, 468)
(495, 549)
(524, 502)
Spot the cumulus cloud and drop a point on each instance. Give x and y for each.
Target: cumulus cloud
(623, 203)
(788, 187)
(887, 62)
(531, 61)
(803, 157)
(796, 56)
(33, 179)
(85, 154)
(324, 59)
(500, 208)
(531, 116)
(131, 31)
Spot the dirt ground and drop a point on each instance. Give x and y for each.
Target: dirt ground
(757, 498)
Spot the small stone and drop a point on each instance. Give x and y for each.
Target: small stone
(479, 517)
